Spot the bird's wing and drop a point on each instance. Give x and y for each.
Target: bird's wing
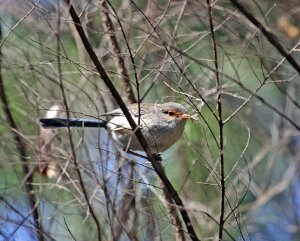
(145, 108)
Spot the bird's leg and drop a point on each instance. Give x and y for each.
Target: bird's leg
(157, 157)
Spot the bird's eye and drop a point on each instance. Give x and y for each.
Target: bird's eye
(171, 113)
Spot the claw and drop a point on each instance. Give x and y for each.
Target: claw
(157, 157)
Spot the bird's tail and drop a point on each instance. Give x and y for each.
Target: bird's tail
(71, 122)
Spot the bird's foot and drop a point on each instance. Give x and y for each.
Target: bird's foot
(157, 157)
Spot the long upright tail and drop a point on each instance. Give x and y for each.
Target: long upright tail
(72, 122)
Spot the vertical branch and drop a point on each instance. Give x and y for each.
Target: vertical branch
(22, 152)
(127, 204)
(109, 29)
(62, 88)
(220, 120)
(172, 212)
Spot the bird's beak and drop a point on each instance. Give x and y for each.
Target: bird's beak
(185, 116)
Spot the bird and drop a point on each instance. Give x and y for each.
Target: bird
(161, 125)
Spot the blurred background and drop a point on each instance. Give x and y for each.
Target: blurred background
(78, 185)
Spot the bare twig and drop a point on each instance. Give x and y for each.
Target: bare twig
(120, 63)
(220, 122)
(127, 203)
(173, 215)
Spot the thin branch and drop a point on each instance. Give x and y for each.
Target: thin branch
(69, 231)
(173, 215)
(126, 204)
(220, 121)
(268, 34)
(110, 31)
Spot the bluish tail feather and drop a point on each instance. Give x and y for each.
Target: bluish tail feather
(72, 122)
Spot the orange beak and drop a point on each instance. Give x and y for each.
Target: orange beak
(185, 116)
